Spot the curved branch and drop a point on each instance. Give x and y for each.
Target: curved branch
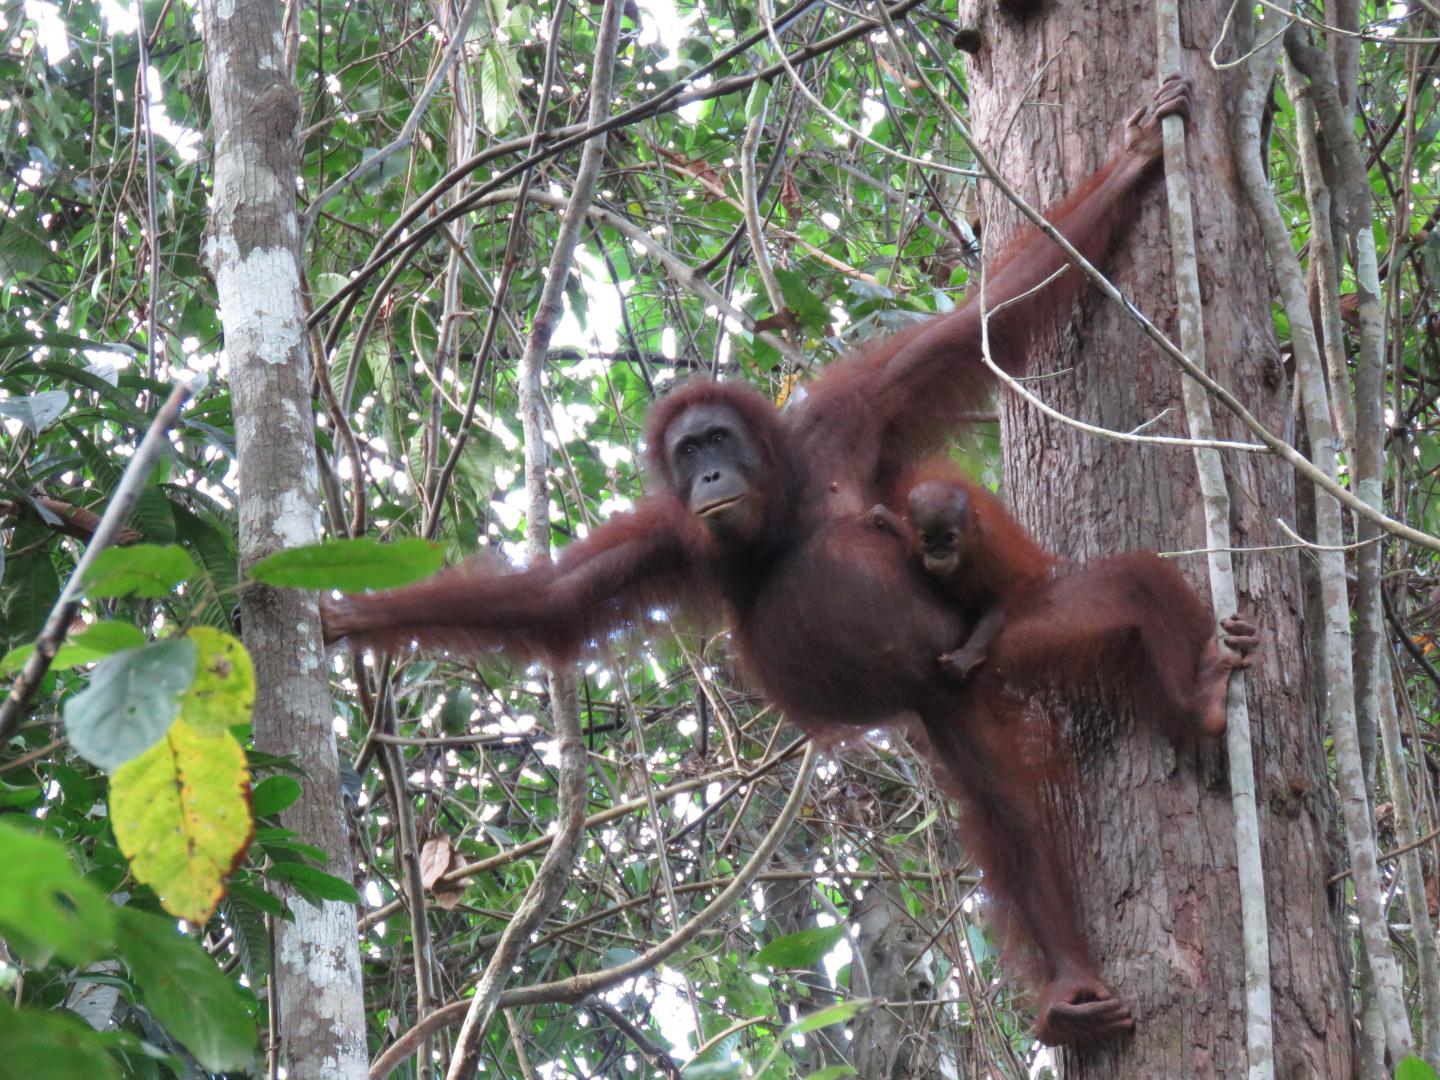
(579, 987)
(132, 483)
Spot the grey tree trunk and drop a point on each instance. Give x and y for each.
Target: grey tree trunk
(253, 254)
(898, 1042)
(1154, 835)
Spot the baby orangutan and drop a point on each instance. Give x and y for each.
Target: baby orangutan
(1040, 621)
(963, 536)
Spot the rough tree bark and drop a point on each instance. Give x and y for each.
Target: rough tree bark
(254, 256)
(1154, 835)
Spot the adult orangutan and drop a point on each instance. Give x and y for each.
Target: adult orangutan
(760, 516)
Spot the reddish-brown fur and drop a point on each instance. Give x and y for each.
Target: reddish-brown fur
(1129, 620)
(829, 615)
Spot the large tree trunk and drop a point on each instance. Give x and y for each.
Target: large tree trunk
(1154, 835)
(254, 256)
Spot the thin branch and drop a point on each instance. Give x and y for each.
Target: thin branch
(1215, 498)
(550, 880)
(67, 606)
(407, 130)
(579, 987)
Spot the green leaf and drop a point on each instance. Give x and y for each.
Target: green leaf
(314, 883)
(58, 340)
(22, 254)
(457, 711)
(980, 947)
(50, 1044)
(148, 570)
(498, 77)
(46, 908)
(800, 950)
(30, 582)
(713, 1070)
(132, 699)
(1430, 256)
(181, 815)
(36, 411)
(929, 820)
(839, 1013)
(255, 897)
(252, 939)
(351, 565)
(223, 693)
(834, 1072)
(95, 642)
(186, 992)
(1414, 1068)
(153, 516)
(812, 313)
(274, 794)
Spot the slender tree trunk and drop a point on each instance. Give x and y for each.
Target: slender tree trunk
(253, 255)
(1154, 834)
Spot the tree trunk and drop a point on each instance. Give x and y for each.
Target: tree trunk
(253, 254)
(1154, 836)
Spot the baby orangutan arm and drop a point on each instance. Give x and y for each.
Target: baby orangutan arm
(958, 663)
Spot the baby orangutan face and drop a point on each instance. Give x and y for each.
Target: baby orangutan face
(939, 516)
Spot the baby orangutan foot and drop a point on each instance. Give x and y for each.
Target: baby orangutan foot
(1241, 639)
(1080, 1010)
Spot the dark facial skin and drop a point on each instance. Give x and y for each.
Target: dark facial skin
(939, 516)
(717, 468)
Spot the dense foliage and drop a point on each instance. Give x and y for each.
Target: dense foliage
(407, 266)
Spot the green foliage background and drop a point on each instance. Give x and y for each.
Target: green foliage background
(862, 242)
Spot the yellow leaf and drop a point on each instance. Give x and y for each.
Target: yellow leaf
(223, 693)
(181, 814)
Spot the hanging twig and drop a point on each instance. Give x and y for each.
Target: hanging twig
(1215, 498)
(1310, 379)
(549, 884)
(458, 34)
(578, 987)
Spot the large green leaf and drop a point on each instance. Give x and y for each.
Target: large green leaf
(95, 642)
(351, 565)
(185, 991)
(37, 1045)
(274, 794)
(46, 907)
(313, 883)
(31, 584)
(149, 570)
(800, 950)
(1414, 1068)
(132, 699)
